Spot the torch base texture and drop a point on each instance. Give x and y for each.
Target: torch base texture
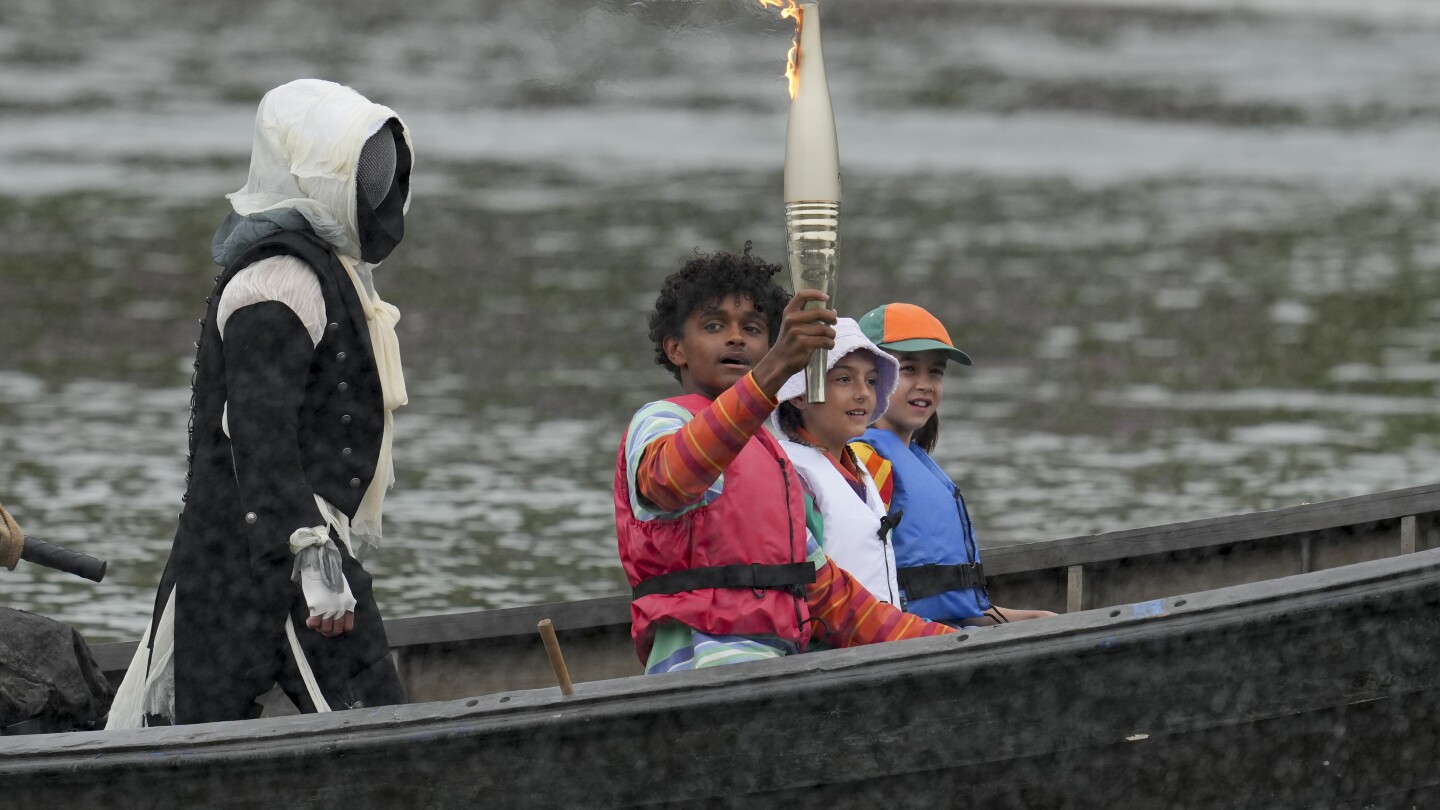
(812, 237)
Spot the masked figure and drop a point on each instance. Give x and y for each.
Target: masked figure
(297, 372)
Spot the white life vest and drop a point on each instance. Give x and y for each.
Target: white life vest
(852, 527)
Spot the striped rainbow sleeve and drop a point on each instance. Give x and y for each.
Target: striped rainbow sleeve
(677, 468)
(851, 616)
(879, 468)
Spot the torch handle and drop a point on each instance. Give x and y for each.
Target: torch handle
(39, 552)
(819, 359)
(813, 243)
(815, 375)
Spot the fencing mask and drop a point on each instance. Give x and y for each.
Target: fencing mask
(382, 184)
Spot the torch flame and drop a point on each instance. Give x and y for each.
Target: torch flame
(789, 9)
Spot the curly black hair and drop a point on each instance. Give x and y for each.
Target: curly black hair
(709, 278)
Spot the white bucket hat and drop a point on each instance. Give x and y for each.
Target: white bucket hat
(849, 338)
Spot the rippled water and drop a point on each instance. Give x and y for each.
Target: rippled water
(1192, 246)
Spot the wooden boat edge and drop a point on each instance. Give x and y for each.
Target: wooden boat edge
(267, 737)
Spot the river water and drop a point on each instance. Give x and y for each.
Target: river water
(1192, 246)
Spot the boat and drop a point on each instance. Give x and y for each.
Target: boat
(1284, 658)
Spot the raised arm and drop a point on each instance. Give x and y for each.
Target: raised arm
(677, 468)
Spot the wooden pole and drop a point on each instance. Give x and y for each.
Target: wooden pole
(557, 659)
(1075, 589)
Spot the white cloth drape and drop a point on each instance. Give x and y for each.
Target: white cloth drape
(285, 279)
(365, 529)
(308, 137)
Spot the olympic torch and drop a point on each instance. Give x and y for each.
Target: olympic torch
(812, 181)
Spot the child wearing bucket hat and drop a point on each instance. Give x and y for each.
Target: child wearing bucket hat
(710, 518)
(939, 571)
(848, 516)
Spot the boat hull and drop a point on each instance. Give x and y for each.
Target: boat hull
(1306, 691)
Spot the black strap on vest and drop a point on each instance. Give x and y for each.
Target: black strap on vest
(754, 576)
(929, 580)
(888, 523)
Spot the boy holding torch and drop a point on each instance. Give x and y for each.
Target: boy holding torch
(709, 512)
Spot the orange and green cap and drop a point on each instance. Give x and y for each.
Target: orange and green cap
(908, 328)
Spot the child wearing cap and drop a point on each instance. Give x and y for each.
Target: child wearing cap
(848, 517)
(939, 571)
(709, 512)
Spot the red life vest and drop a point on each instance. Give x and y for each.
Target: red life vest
(759, 518)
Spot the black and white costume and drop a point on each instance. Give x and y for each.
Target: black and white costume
(296, 374)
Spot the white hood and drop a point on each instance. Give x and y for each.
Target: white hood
(308, 136)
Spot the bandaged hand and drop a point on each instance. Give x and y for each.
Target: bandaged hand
(318, 572)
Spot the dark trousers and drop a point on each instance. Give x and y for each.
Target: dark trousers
(228, 652)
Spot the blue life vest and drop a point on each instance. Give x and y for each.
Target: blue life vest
(935, 530)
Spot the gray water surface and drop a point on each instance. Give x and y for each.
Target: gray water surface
(1192, 246)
